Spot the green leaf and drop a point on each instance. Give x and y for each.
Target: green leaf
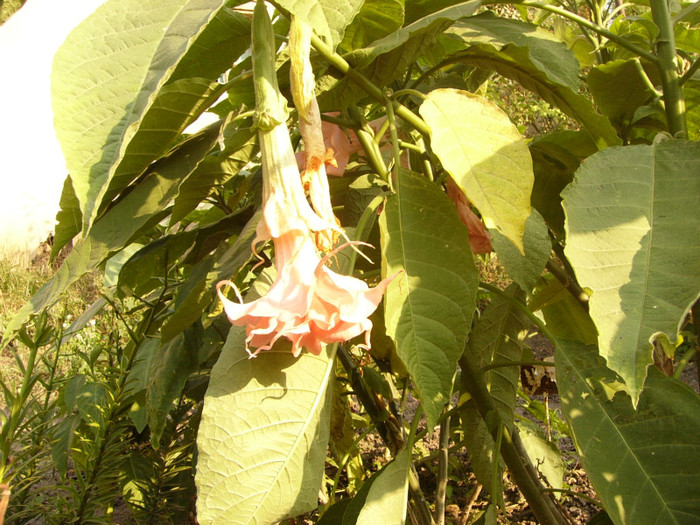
(388, 496)
(486, 156)
(496, 338)
(691, 93)
(545, 455)
(136, 212)
(262, 439)
(619, 88)
(196, 294)
(687, 38)
(62, 442)
(545, 52)
(172, 364)
(388, 58)
(69, 218)
(429, 305)
(215, 170)
(633, 240)
(525, 270)
(376, 19)
(329, 18)
(536, 62)
(555, 158)
(644, 463)
(224, 39)
(128, 48)
(564, 315)
(434, 23)
(147, 268)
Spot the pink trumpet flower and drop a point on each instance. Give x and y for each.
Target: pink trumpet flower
(308, 303)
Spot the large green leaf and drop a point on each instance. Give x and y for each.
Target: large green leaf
(545, 52)
(376, 19)
(525, 269)
(138, 211)
(619, 87)
(633, 238)
(262, 439)
(429, 305)
(521, 52)
(128, 49)
(329, 18)
(565, 316)
(496, 338)
(644, 464)
(219, 45)
(486, 156)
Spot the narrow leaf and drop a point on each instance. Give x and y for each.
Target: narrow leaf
(172, 364)
(130, 48)
(644, 463)
(633, 242)
(429, 305)
(262, 439)
(136, 212)
(486, 156)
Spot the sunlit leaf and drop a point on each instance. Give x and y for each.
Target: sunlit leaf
(486, 156)
(128, 49)
(388, 496)
(262, 439)
(633, 240)
(429, 305)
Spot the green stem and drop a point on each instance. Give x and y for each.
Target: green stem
(394, 138)
(666, 50)
(377, 94)
(622, 42)
(443, 459)
(366, 139)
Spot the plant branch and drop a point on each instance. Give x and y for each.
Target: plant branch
(666, 50)
(567, 282)
(512, 451)
(377, 94)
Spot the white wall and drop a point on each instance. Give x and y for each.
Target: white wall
(32, 168)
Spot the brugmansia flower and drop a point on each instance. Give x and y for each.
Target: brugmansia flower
(479, 237)
(308, 303)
